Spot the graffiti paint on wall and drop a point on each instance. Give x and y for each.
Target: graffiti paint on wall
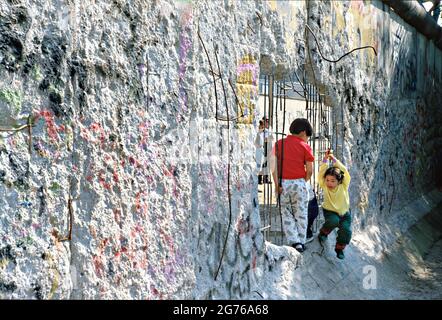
(289, 13)
(247, 88)
(360, 25)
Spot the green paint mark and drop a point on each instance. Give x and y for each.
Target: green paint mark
(54, 187)
(36, 73)
(54, 91)
(28, 241)
(12, 97)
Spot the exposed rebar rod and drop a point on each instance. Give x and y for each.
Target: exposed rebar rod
(346, 54)
(282, 163)
(70, 215)
(300, 82)
(293, 88)
(228, 174)
(14, 129)
(237, 103)
(28, 126)
(30, 135)
(212, 72)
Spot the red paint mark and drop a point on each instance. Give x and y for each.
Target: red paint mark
(97, 129)
(143, 128)
(98, 265)
(242, 226)
(134, 162)
(170, 173)
(254, 256)
(154, 290)
(168, 240)
(51, 126)
(117, 216)
(115, 176)
(102, 180)
(141, 203)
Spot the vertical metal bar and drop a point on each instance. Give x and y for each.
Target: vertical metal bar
(276, 86)
(266, 232)
(315, 120)
(265, 96)
(271, 90)
(343, 132)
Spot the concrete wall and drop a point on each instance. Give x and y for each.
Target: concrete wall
(389, 102)
(125, 141)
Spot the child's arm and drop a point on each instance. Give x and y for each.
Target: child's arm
(338, 164)
(322, 169)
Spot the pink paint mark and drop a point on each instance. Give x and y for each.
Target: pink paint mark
(253, 68)
(97, 259)
(98, 265)
(166, 238)
(169, 271)
(102, 180)
(254, 257)
(12, 142)
(143, 127)
(170, 173)
(238, 184)
(242, 226)
(141, 203)
(52, 128)
(134, 162)
(358, 5)
(98, 131)
(154, 290)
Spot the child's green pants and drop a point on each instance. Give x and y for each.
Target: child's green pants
(332, 221)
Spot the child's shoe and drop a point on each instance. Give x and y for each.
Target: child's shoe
(340, 254)
(299, 247)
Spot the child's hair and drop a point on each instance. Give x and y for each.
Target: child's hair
(261, 123)
(335, 172)
(301, 124)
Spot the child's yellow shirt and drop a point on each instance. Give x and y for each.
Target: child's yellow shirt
(337, 199)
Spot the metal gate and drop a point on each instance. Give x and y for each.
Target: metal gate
(275, 98)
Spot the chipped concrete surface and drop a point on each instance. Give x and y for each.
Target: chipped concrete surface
(125, 140)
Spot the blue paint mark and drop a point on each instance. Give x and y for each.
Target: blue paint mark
(26, 204)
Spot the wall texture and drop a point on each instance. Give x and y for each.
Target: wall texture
(126, 143)
(388, 103)
(128, 183)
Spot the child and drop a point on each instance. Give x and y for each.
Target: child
(294, 166)
(334, 181)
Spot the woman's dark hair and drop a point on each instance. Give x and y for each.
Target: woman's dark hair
(335, 172)
(301, 124)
